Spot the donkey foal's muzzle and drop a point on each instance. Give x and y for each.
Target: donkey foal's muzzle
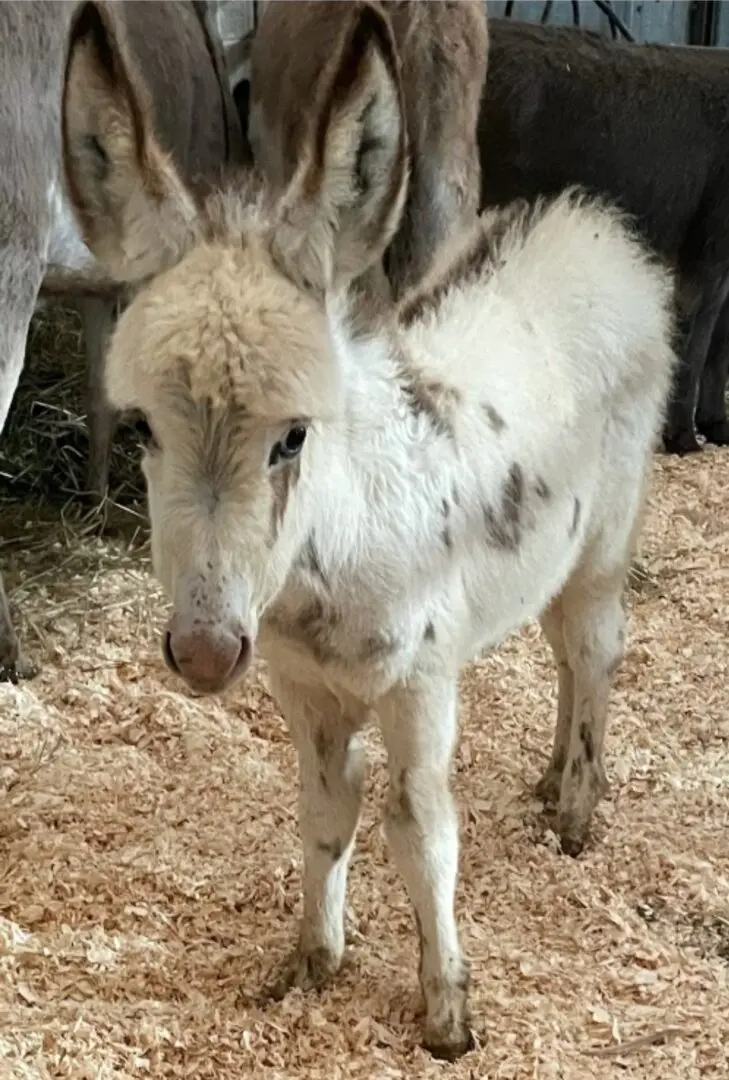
(208, 657)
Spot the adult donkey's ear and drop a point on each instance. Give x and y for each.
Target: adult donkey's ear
(135, 213)
(345, 201)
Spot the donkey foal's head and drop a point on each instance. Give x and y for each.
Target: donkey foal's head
(225, 352)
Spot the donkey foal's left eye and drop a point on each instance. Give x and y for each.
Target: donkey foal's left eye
(288, 447)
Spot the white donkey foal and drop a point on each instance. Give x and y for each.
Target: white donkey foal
(375, 499)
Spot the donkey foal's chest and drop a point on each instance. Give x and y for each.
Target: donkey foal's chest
(355, 645)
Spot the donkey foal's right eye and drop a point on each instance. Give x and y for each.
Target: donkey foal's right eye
(288, 447)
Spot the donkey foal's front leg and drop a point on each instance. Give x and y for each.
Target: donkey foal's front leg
(419, 727)
(331, 773)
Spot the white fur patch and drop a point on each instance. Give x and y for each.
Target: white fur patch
(66, 249)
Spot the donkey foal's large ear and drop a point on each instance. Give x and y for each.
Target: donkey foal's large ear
(350, 189)
(134, 212)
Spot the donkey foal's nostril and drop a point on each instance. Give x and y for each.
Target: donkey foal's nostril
(244, 655)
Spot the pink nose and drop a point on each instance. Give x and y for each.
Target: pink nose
(208, 658)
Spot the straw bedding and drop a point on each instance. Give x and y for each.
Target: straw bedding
(149, 859)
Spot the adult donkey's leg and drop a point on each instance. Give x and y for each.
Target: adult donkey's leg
(711, 413)
(679, 435)
(21, 270)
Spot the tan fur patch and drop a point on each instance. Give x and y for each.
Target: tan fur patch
(481, 256)
(368, 311)
(430, 398)
(283, 481)
(226, 328)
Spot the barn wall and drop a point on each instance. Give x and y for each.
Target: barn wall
(670, 22)
(667, 22)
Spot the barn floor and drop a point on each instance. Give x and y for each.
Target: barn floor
(149, 859)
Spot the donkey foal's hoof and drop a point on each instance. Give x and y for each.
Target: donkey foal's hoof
(548, 788)
(305, 970)
(448, 1032)
(716, 433)
(572, 837)
(448, 1045)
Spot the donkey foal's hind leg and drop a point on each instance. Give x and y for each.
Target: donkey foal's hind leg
(21, 270)
(593, 623)
(550, 785)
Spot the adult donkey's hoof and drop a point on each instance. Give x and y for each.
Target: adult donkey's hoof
(716, 433)
(682, 442)
(13, 664)
(19, 669)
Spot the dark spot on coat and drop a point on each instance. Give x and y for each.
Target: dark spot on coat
(463, 980)
(309, 560)
(367, 310)
(447, 539)
(495, 419)
(323, 744)
(403, 798)
(429, 398)
(542, 488)
(377, 646)
(575, 517)
(429, 634)
(314, 627)
(323, 781)
(480, 257)
(421, 943)
(445, 508)
(504, 525)
(576, 768)
(311, 628)
(419, 927)
(333, 850)
(587, 742)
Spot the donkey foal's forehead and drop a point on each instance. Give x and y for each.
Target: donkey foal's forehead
(225, 327)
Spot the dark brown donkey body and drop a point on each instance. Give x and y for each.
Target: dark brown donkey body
(648, 126)
(40, 246)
